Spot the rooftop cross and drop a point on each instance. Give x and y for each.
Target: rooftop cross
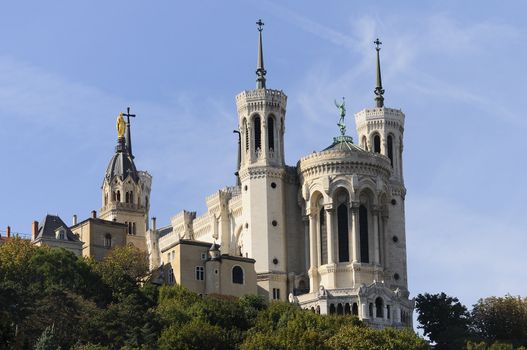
(128, 135)
(378, 44)
(260, 25)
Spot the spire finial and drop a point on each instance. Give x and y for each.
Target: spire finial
(260, 70)
(379, 91)
(342, 112)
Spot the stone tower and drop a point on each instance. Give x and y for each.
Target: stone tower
(125, 190)
(261, 115)
(380, 130)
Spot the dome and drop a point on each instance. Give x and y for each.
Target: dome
(121, 164)
(343, 143)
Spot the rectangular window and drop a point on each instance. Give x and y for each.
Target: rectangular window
(170, 276)
(200, 273)
(203, 256)
(276, 293)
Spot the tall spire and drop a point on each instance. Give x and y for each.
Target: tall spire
(260, 71)
(379, 91)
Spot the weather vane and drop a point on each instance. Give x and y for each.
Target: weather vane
(260, 25)
(342, 111)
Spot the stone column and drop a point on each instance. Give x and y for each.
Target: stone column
(375, 216)
(330, 215)
(305, 219)
(263, 137)
(355, 234)
(365, 311)
(313, 269)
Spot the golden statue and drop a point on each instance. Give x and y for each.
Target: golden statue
(121, 125)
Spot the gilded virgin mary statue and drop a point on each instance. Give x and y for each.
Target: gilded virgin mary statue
(121, 125)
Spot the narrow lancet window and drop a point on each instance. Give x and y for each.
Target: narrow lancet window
(342, 218)
(363, 227)
(390, 148)
(270, 133)
(377, 144)
(257, 134)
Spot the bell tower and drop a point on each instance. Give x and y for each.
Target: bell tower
(261, 115)
(125, 190)
(380, 130)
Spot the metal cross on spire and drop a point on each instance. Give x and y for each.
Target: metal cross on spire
(260, 24)
(128, 135)
(378, 44)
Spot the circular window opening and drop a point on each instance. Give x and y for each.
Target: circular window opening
(273, 184)
(394, 202)
(396, 276)
(395, 239)
(275, 261)
(274, 223)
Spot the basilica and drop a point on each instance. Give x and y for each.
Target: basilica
(327, 233)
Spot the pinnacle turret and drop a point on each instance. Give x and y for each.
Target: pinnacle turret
(379, 91)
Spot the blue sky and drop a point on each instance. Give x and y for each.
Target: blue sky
(457, 69)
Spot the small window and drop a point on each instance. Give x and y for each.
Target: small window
(377, 144)
(108, 240)
(237, 275)
(200, 273)
(133, 228)
(170, 277)
(61, 234)
(203, 256)
(276, 293)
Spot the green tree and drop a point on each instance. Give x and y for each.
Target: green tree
(501, 319)
(194, 335)
(352, 337)
(47, 340)
(443, 319)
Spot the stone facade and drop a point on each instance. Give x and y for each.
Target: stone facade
(328, 233)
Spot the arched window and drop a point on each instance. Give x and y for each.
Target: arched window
(390, 148)
(318, 309)
(342, 220)
(114, 197)
(133, 228)
(132, 197)
(379, 305)
(323, 238)
(332, 309)
(388, 312)
(340, 309)
(370, 309)
(363, 228)
(237, 275)
(118, 195)
(257, 133)
(355, 309)
(127, 200)
(246, 129)
(108, 240)
(347, 309)
(270, 133)
(377, 144)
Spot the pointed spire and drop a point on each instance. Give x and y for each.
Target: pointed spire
(379, 91)
(260, 70)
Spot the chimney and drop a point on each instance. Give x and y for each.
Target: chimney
(153, 223)
(8, 231)
(93, 214)
(34, 230)
(74, 222)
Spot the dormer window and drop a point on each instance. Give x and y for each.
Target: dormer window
(60, 234)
